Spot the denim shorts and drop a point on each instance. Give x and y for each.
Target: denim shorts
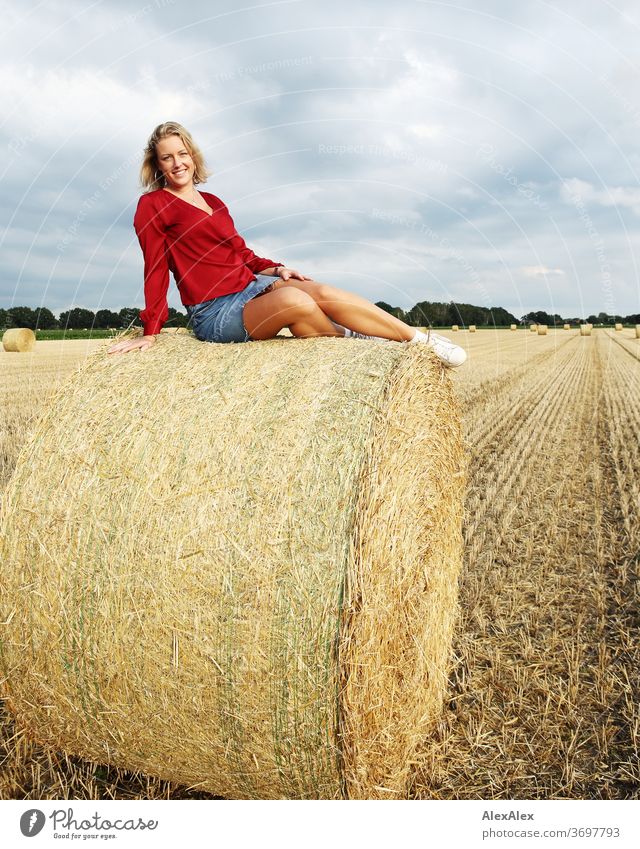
(220, 320)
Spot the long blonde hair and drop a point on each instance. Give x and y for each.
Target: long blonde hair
(151, 177)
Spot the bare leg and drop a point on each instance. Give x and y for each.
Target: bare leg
(315, 324)
(352, 311)
(265, 315)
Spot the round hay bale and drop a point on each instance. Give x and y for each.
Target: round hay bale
(513, 327)
(454, 327)
(585, 330)
(566, 327)
(618, 326)
(472, 328)
(19, 339)
(542, 330)
(637, 331)
(235, 565)
(533, 328)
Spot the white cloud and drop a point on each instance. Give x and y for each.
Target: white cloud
(625, 196)
(541, 271)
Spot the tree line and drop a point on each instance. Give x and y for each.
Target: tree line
(80, 319)
(423, 314)
(439, 314)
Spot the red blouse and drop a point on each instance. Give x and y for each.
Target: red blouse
(204, 252)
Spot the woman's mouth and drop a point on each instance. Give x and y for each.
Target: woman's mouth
(180, 172)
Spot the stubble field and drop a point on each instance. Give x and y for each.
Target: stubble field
(543, 696)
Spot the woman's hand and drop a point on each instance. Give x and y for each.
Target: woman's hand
(287, 273)
(142, 343)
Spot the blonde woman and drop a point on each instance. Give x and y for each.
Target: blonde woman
(232, 295)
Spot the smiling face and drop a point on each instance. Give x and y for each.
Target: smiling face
(175, 162)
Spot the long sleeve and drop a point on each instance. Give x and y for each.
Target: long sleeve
(152, 238)
(254, 263)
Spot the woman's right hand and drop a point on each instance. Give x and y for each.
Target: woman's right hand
(142, 343)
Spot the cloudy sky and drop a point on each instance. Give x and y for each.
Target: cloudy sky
(480, 152)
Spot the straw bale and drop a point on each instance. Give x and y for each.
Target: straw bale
(585, 330)
(19, 339)
(513, 327)
(533, 328)
(542, 330)
(566, 327)
(637, 331)
(618, 326)
(235, 566)
(454, 327)
(472, 328)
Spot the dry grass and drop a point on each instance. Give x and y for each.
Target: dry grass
(19, 340)
(255, 594)
(543, 699)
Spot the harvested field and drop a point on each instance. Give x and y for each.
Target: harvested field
(543, 698)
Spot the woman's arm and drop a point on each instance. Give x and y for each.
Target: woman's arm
(148, 226)
(151, 236)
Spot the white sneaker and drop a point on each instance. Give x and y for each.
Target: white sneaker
(451, 355)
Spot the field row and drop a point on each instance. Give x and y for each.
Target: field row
(544, 693)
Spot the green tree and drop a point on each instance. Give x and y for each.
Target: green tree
(130, 316)
(107, 318)
(76, 319)
(23, 317)
(542, 317)
(427, 313)
(176, 318)
(46, 319)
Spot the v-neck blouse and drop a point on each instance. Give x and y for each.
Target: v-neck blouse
(203, 251)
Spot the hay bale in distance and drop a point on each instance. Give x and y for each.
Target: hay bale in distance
(618, 326)
(533, 328)
(566, 327)
(455, 327)
(472, 328)
(585, 330)
(19, 339)
(513, 327)
(542, 330)
(637, 331)
(236, 565)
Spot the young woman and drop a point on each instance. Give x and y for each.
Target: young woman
(229, 292)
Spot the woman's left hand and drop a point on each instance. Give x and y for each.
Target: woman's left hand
(287, 273)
